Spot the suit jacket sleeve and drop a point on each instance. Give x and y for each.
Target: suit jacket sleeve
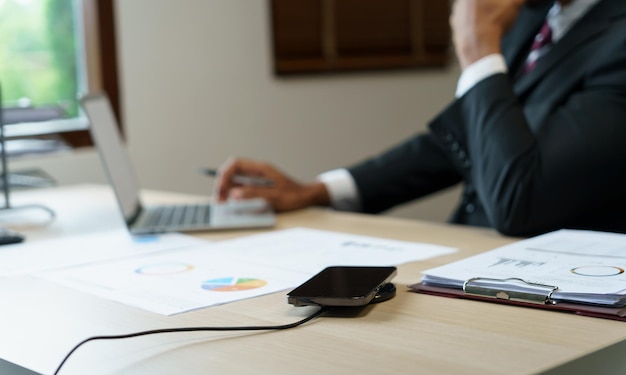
(408, 171)
(557, 170)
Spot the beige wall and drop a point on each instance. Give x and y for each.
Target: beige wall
(197, 87)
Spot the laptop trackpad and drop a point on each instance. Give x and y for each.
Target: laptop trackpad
(242, 212)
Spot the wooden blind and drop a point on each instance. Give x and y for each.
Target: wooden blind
(340, 35)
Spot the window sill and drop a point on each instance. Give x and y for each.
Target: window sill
(35, 129)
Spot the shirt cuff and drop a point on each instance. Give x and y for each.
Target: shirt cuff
(481, 69)
(344, 195)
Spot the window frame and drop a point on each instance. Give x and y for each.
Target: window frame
(99, 39)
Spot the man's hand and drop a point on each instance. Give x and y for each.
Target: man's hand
(479, 25)
(284, 194)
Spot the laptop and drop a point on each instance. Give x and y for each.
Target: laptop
(146, 219)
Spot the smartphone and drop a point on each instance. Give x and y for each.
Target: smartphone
(345, 286)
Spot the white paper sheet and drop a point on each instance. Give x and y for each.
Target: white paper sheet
(182, 280)
(42, 255)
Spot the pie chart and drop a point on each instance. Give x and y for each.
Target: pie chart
(597, 271)
(232, 284)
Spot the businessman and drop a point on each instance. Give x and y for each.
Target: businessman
(537, 133)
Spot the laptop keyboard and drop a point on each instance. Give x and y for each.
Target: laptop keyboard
(178, 215)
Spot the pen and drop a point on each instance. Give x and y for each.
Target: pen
(241, 179)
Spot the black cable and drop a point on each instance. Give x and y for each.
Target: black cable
(190, 329)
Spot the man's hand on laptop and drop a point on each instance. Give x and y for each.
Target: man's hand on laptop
(283, 194)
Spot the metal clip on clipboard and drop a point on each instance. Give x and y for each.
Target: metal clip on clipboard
(484, 287)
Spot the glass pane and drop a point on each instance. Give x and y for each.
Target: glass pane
(39, 70)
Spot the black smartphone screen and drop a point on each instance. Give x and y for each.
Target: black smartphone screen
(342, 286)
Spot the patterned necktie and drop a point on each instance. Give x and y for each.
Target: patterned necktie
(540, 46)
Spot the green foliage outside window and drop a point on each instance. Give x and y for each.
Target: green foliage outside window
(38, 53)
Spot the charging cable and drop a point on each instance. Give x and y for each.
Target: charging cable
(190, 329)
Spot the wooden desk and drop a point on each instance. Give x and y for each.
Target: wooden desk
(411, 333)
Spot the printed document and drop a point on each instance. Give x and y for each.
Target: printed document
(66, 251)
(199, 276)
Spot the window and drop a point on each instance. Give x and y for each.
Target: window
(339, 35)
(50, 52)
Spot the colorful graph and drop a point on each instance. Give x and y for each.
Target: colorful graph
(597, 271)
(232, 284)
(159, 269)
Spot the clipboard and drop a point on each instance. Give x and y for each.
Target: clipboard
(475, 290)
(582, 272)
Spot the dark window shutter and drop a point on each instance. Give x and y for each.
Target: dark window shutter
(341, 35)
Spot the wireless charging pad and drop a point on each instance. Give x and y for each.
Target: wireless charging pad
(385, 293)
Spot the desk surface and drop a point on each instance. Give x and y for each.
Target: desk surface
(412, 333)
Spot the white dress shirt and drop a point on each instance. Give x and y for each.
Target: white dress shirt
(341, 187)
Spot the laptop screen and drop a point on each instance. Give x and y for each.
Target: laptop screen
(106, 136)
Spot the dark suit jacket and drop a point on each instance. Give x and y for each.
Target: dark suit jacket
(536, 153)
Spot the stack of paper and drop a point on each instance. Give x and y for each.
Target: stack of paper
(567, 266)
(183, 279)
